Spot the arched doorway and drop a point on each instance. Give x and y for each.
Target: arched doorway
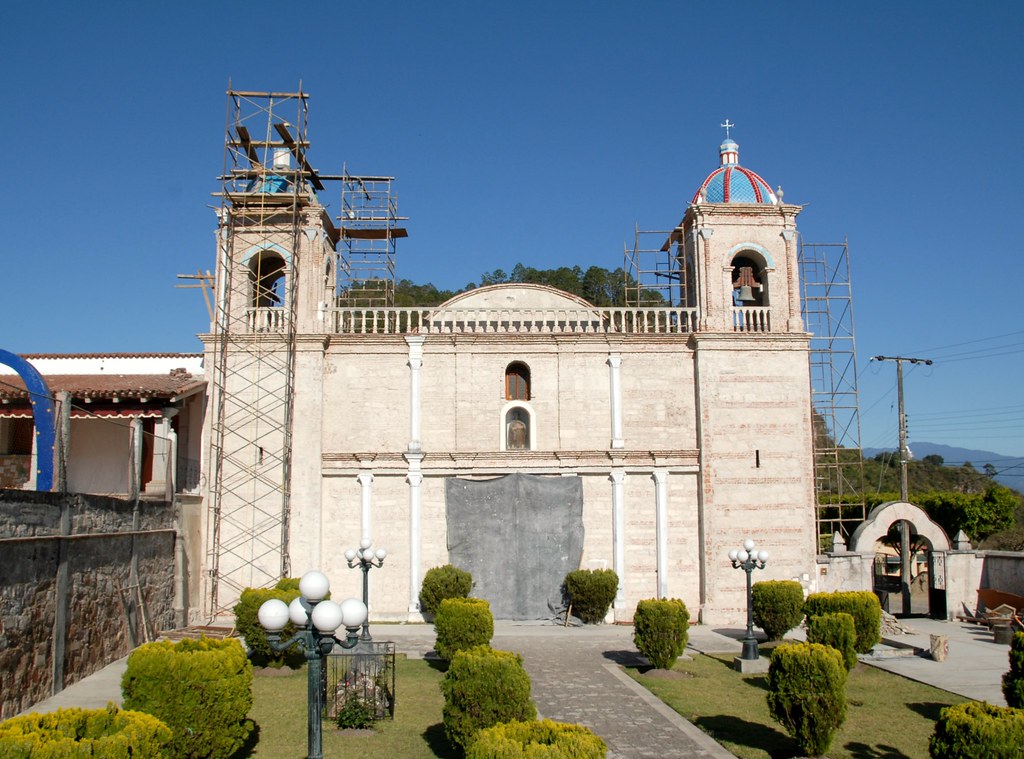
(929, 545)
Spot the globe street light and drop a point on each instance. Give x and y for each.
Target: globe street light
(748, 560)
(317, 619)
(365, 558)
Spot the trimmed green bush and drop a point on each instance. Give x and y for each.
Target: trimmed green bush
(977, 730)
(591, 592)
(835, 630)
(462, 623)
(201, 689)
(482, 688)
(248, 624)
(444, 582)
(542, 739)
(777, 606)
(862, 605)
(807, 693)
(660, 630)
(1013, 680)
(102, 733)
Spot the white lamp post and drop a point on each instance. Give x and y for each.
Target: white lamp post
(748, 560)
(317, 621)
(365, 558)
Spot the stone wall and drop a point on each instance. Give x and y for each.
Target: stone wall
(83, 580)
(14, 470)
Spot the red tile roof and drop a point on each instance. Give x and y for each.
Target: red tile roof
(107, 386)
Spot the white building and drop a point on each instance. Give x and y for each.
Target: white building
(516, 430)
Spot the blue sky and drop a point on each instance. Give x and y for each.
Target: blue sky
(539, 133)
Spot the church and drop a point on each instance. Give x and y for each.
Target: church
(516, 431)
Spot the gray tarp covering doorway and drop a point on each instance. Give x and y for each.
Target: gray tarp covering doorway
(518, 535)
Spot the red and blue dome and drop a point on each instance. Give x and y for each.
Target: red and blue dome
(731, 183)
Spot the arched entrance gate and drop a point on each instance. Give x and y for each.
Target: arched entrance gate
(877, 527)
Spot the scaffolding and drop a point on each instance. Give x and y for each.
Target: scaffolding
(827, 306)
(266, 183)
(657, 270)
(369, 233)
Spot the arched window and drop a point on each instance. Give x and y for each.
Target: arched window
(517, 382)
(749, 283)
(517, 429)
(267, 274)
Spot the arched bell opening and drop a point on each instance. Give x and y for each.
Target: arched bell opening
(749, 281)
(267, 275)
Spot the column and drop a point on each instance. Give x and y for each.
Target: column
(661, 522)
(794, 321)
(618, 477)
(162, 456)
(366, 495)
(615, 379)
(415, 363)
(415, 479)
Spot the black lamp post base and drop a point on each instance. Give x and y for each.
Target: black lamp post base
(750, 666)
(750, 652)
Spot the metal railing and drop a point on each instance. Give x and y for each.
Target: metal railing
(362, 675)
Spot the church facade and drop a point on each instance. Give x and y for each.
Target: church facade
(516, 430)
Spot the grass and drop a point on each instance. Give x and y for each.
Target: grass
(279, 709)
(888, 716)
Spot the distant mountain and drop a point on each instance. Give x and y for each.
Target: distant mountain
(1009, 469)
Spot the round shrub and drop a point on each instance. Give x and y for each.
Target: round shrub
(108, 732)
(481, 688)
(462, 623)
(862, 605)
(201, 689)
(591, 592)
(536, 740)
(807, 693)
(248, 625)
(1013, 680)
(777, 606)
(660, 630)
(444, 582)
(837, 631)
(976, 730)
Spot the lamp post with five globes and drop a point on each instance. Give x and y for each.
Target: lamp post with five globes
(365, 558)
(748, 560)
(317, 619)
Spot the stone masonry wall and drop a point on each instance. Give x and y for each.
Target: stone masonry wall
(100, 602)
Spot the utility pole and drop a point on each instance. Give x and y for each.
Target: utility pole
(904, 458)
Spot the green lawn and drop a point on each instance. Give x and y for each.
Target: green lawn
(279, 710)
(887, 716)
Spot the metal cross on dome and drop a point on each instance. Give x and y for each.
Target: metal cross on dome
(727, 126)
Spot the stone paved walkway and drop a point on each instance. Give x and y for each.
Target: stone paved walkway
(575, 677)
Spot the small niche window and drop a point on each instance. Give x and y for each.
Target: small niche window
(517, 429)
(517, 382)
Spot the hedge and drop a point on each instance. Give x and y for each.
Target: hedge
(660, 630)
(591, 592)
(462, 623)
(862, 605)
(249, 628)
(1013, 680)
(777, 606)
(807, 693)
(444, 582)
(542, 739)
(975, 730)
(201, 689)
(481, 688)
(101, 733)
(835, 630)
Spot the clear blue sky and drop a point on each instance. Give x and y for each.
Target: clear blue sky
(540, 133)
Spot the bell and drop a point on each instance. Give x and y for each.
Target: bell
(746, 294)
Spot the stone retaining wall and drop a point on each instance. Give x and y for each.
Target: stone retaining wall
(83, 579)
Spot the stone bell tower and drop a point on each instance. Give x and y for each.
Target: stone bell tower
(753, 398)
(275, 281)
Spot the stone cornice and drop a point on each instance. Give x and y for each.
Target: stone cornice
(491, 463)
